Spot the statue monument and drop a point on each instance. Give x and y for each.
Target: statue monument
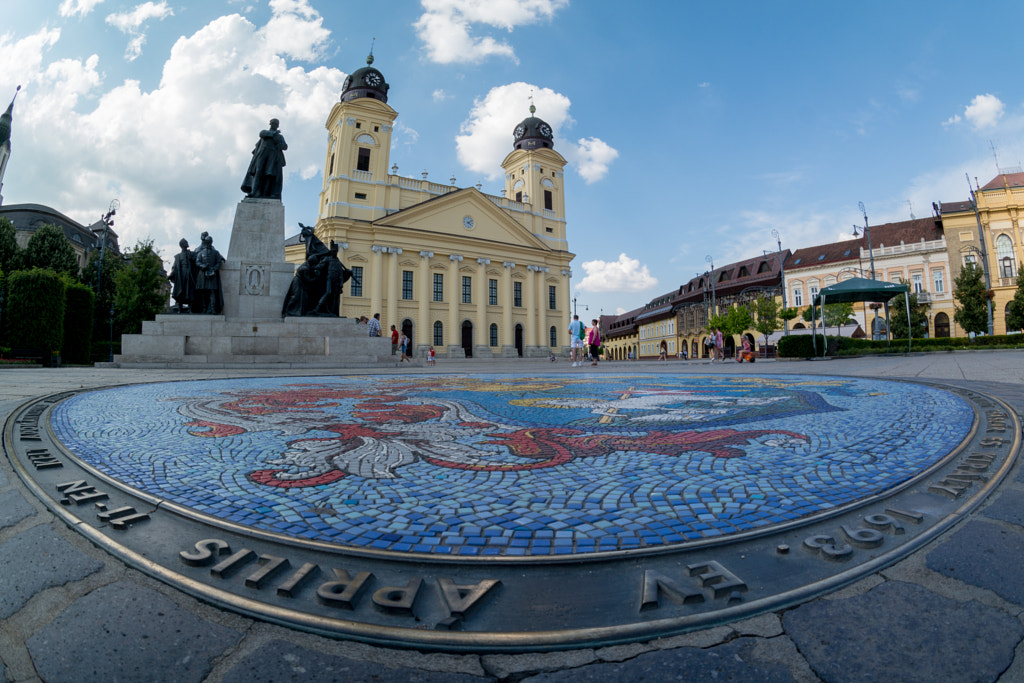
(259, 309)
(266, 170)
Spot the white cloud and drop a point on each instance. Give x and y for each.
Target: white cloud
(624, 275)
(446, 26)
(593, 157)
(174, 155)
(440, 95)
(487, 133)
(70, 8)
(131, 24)
(295, 30)
(984, 111)
(952, 121)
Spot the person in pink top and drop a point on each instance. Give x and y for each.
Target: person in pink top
(594, 341)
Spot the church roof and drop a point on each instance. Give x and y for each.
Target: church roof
(365, 82)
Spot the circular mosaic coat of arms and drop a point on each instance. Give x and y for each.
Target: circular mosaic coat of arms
(513, 467)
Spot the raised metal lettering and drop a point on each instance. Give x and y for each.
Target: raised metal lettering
(205, 551)
(343, 592)
(290, 587)
(226, 567)
(270, 565)
(655, 583)
(461, 597)
(398, 598)
(721, 580)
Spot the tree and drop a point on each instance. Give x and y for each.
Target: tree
(898, 317)
(835, 314)
(766, 309)
(737, 320)
(788, 314)
(49, 248)
(1015, 312)
(971, 299)
(140, 288)
(10, 252)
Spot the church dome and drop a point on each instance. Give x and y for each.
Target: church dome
(532, 133)
(365, 82)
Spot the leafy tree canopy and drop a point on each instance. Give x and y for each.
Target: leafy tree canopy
(1015, 313)
(140, 288)
(10, 252)
(971, 299)
(49, 248)
(898, 317)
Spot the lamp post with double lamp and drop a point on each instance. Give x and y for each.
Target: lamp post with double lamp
(871, 255)
(782, 277)
(108, 222)
(984, 256)
(714, 298)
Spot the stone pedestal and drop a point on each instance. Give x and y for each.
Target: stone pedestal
(256, 277)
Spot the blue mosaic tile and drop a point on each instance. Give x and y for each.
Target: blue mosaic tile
(512, 465)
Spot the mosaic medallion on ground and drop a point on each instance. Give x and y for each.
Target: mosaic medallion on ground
(495, 512)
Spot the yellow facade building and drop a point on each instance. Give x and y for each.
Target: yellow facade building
(990, 237)
(468, 273)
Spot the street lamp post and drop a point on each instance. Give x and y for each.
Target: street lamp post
(714, 298)
(871, 256)
(782, 277)
(108, 222)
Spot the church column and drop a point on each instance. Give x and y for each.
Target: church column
(394, 290)
(566, 306)
(424, 331)
(543, 338)
(454, 332)
(342, 246)
(530, 302)
(482, 333)
(508, 334)
(376, 293)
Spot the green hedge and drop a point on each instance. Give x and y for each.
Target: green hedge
(77, 324)
(34, 314)
(802, 346)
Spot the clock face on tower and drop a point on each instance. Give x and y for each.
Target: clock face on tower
(348, 82)
(372, 79)
(468, 222)
(519, 131)
(545, 130)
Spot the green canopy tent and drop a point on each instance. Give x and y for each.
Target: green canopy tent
(859, 289)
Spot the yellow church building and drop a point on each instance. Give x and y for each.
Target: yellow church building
(471, 274)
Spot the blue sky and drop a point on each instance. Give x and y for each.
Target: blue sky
(691, 128)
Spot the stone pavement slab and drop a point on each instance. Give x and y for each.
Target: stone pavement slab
(35, 560)
(283, 662)
(13, 508)
(732, 661)
(983, 554)
(903, 632)
(1009, 507)
(127, 632)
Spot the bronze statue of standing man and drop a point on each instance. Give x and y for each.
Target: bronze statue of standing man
(265, 176)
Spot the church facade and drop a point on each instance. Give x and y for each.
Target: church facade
(471, 274)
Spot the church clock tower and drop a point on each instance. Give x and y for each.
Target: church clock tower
(359, 142)
(534, 175)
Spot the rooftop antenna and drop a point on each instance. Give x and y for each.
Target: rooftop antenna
(994, 155)
(912, 216)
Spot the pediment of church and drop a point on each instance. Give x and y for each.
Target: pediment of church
(466, 214)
